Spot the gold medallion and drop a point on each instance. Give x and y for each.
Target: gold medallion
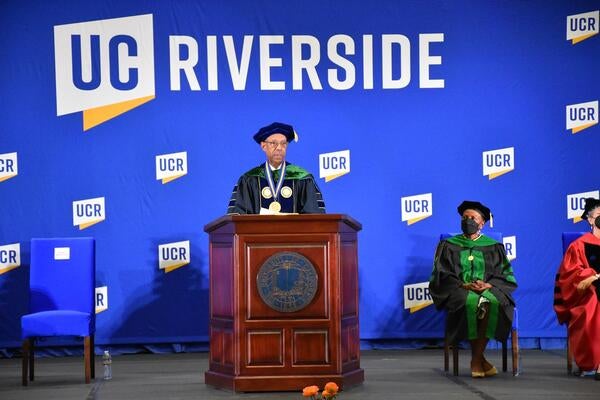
(286, 192)
(266, 193)
(275, 206)
(471, 258)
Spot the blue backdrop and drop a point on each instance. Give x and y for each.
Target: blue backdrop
(504, 75)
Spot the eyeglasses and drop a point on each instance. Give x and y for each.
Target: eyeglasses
(274, 145)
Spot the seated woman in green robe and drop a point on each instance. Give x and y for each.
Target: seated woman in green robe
(473, 281)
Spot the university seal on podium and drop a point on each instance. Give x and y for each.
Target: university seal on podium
(287, 281)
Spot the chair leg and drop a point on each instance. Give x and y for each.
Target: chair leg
(446, 354)
(504, 356)
(31, 358)
(86, 358)
(455, 358)
(92, 358)
(569, 357)
(515, 352)
(25, 362)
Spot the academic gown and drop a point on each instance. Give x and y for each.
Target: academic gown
(459, 260)
(299, 192)
(581, 311)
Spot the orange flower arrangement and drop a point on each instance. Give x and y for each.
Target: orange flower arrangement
(329, 392)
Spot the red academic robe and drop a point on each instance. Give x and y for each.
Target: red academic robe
(581, 311)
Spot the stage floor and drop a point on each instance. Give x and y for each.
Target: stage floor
(401, 374)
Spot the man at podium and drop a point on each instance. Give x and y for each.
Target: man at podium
(276, 186)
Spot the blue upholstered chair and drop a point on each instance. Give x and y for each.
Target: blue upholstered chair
(514, 333)
(61, 302)
(567, 239)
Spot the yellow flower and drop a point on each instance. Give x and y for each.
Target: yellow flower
(331, 388)
(310, 391)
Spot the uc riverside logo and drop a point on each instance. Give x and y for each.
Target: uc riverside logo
(582, 26)
(101, 299)
(104, 68)
(498, 162)
(576, 204)
(510, 246)
(10, 257)
(173, 255)
(416, 208)
(333, 165)
(88, 212)
(581, 116)
(417, 296)
(8, 166)
(171, 166)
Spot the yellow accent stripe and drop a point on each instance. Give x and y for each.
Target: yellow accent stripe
(3, 178)
(98, 115)
(582, 127)
(497, 174)
(577, 219)
(420, 307)
(3, 271)
(88, 224)
(582, 38)
(174, 267)
(171, 178)
(412, 221)
(99, 311)
(332, 177)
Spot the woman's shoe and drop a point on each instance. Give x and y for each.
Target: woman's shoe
(583, 373)
(477, 374)
(491, 372)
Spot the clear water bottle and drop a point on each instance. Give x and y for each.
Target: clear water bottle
(107, 362)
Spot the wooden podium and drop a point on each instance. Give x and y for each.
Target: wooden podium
(259, 346)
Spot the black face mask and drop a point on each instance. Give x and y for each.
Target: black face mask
(597, 222)
(469, 226)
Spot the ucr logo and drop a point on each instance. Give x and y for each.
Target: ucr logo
(581, 116)
(88, 212)
(104, 68)
(101, 299)
(171, 166)
(173, 255)
(576, 204)
(8, 166)
(333, 165)
(498, 162)
(510, 246)
(416, 208)
(417, 296)
(582, 26)
(10, 257)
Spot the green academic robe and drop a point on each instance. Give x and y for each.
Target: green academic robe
(459, 260)
(299, 192)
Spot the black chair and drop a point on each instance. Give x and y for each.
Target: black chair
(514, 336)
